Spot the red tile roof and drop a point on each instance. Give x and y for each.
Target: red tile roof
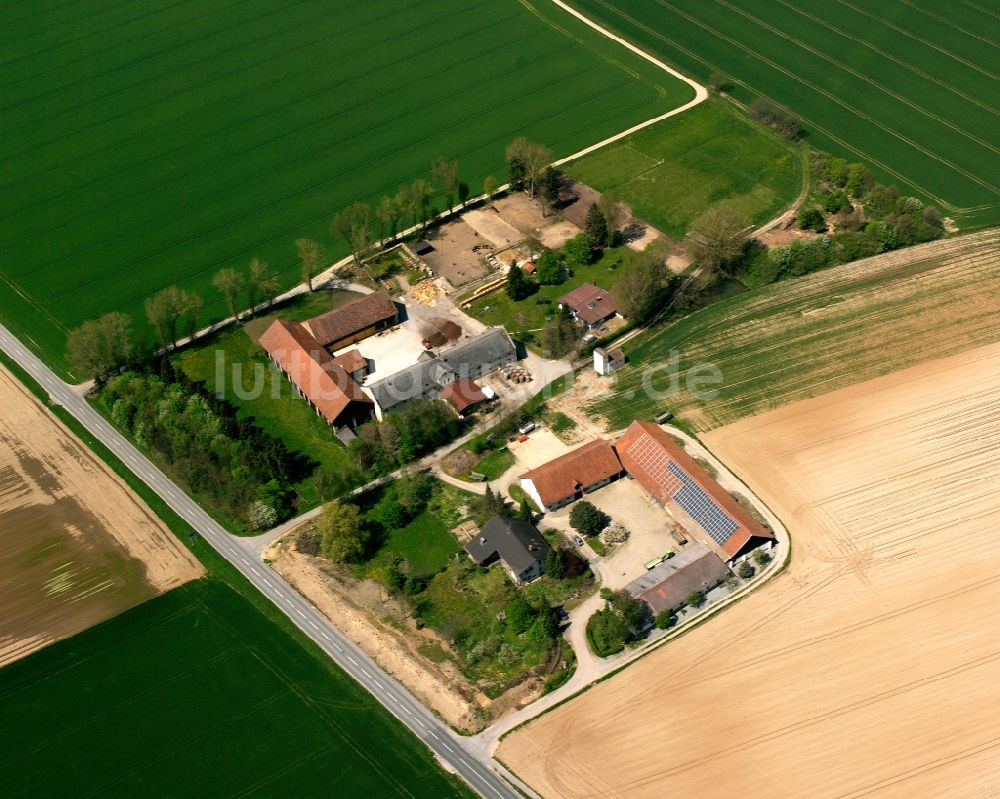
(584, 466)
(646, 450)
(355, 316)
(351, 361)
(312, 369)
(591, 303)
(462, 394)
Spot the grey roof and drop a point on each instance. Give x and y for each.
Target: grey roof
(467, 359)
(491, 347)
(666, 586)
(515, 541)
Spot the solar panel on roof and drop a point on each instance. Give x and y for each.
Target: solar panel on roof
(702, 508)
(690, 496)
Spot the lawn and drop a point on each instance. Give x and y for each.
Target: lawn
(195, 693)
(675, 170)
(810, 335)
(232, 358)
(528, 316)
(147, 145)
(495, 463)
(906, 86)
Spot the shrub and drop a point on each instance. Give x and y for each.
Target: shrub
(746, 570)
(761, 558)
(811, 218)
(587, 518)
(665, 619)
(695, 599)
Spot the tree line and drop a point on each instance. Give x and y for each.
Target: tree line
(240, 470)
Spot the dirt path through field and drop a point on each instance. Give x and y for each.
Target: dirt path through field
(871, 666)
(78, 545)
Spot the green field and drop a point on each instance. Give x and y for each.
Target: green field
(675, 170)
(147, 144)
(909, 87)
(807, 336)
(196, 693)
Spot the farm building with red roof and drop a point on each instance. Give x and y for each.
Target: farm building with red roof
(356, 320)
(316, 375)
(590, 304)
(675, 480)
(570, 476)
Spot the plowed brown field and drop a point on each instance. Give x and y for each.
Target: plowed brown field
(77, 546)
(871, 667)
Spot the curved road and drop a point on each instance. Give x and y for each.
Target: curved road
(483, 775)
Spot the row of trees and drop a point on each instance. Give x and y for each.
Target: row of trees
(239, 469)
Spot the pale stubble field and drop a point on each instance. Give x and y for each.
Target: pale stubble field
(871, 667)
(78, 545)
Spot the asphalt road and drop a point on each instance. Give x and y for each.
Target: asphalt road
(448, 747)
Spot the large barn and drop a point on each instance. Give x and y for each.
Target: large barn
(318, 377)
(354, 321)
(675, 480)
(558, 482)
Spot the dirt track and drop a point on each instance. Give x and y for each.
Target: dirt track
(78, 545)
(871, 666)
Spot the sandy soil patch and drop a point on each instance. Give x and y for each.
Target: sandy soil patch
(79, 546)
(437, 685)
(870, 667)
(458, 253)
(492, 227)
(556, 235)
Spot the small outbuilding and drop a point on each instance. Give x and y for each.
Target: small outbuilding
(667, 586)
(516, 542)
(590, 304)
(463, 395)
(608, 362)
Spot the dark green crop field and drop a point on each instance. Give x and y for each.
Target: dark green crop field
(146, 144)
(196, 693)
(910, 87)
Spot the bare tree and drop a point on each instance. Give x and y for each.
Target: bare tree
(404, 201)
(490, 188)
(532, 157)
(230, 283)
(422, 193)
(353, 225)
(445, 172)
(261, 284)
(642, 282)
(311, 256)
(387, 217)
(100, 345)
(168, 307)
(718, 236)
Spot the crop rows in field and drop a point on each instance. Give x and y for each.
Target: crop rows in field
(805, 337)
(195, 693)
(150, 147)
(902, 86)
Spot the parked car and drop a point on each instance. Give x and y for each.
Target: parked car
(578, 541)
(526, 428)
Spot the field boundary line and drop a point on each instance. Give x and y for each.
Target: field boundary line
(700, 92)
